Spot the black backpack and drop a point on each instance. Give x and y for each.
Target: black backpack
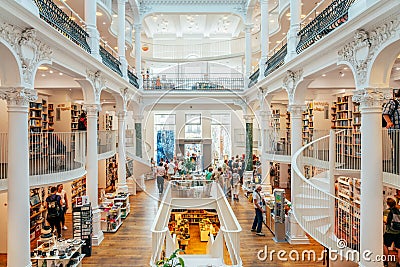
(396, 105)
(81, 124)
(395, 223)
(53, 207)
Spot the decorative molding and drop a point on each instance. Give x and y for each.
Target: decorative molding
(371, 97)
(30, 50)
(192, 2)
(362, 49)
(126, 96)
(296, 110)
(291, 81)
(121, 114)
(98, 81)
(18, 96)
(92, 109)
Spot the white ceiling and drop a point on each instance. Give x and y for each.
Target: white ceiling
(192, 26)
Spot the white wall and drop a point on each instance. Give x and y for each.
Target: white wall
(3, 221)
(3, 116)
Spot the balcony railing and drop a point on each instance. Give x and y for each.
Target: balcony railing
(58, 19)
(254, 78)
(110, 61)
(53, 157)
(332, 17)
(133, 79)
(106, 144)
(277, 60)
(193, 83)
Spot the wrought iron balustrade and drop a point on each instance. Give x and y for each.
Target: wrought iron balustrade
(133, 79)
(329, 19)
(110, 61)
(277, 60)
(59, 20)
(254, 78)
(201, 83)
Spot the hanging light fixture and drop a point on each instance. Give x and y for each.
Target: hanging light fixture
(145, 47)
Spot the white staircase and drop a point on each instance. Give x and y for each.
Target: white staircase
(325, 217)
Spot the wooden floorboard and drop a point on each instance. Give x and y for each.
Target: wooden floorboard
(131, 245)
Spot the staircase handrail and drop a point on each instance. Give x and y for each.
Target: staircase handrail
(325, 239)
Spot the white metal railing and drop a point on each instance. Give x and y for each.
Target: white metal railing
(107, 5)
(106, 144)
(191, 188)
(348, 147)
(391, 156)
(229, 231)
(230, 228)
(327, 218)
(56, 156)
(278, 142)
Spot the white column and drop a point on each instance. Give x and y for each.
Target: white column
(248, 28)
(292, 38)
(264, 163)
(122, 186)
(18, 241)
(91, 28)
(296, 235)
(92, 169)
(138, 54)
(264, 38)
(371, 231)
(249, 142)
(121, 38)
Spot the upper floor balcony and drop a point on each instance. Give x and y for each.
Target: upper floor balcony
(55, 157)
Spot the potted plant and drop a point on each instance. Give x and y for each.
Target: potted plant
(172, 260)
(188, 165)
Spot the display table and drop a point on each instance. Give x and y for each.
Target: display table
(110, 219)
(65, 253)
(206, 229)
(123, 201)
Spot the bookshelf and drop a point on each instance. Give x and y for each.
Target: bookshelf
(50, 117)
(276, 119)
(195, 216)
(38, 119)
(346, 116)
(288, 127)
(347, 225)
(37, 211)
(78, 188)
(76, 111)
(307, 124)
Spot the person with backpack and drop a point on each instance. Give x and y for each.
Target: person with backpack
(82, 122)
(391, 120)
(54, 209)
(391, 219)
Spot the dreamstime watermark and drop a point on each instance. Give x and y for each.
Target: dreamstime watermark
(310, 255)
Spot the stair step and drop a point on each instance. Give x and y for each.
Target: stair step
(319, 198)
(323, 228)
(201, 260)
(310, 218)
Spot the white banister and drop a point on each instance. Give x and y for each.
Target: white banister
(106, 144)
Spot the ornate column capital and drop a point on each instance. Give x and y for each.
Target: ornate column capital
(98, 81)
(18, 96)
(371, 97)
(92, 109)
(248, 118)
(291, 81)
(296, 110)
(121, 114)
(138, 118)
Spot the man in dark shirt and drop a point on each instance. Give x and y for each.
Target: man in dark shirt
(391, 114)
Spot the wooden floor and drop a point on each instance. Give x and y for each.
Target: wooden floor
(131, 245)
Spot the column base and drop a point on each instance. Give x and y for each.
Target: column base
(122, 188)
(295, 235)
(98, 235)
